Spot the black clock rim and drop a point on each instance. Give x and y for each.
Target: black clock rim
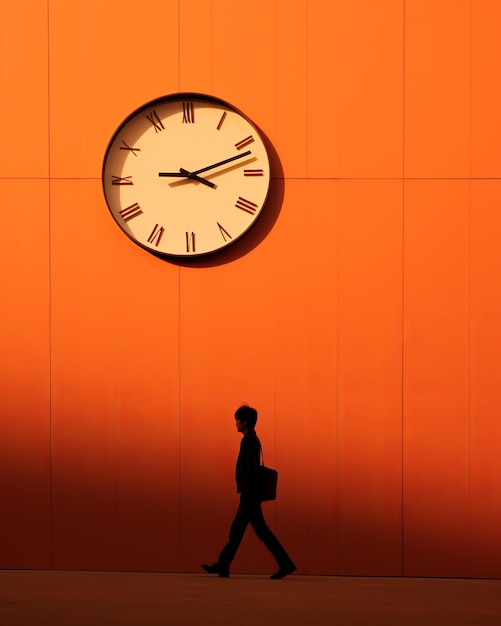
(182, 95)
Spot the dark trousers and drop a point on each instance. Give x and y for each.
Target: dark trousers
(249, 512)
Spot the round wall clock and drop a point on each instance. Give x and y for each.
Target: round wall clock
(186, 175)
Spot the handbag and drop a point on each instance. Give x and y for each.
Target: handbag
(267, 482)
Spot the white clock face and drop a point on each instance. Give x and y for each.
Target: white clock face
(186, 175)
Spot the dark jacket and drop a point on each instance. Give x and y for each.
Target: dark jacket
(248, 462)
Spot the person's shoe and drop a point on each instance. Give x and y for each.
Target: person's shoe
(211, 569)
(284, 571)
(215, 568)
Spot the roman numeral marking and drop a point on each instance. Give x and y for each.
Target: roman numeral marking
(246, 205)
(244, 142)
(190, 242)
(253, 172)
(126, 147)
(118, 180)
(223, 117)
(188, 113)
(130, 212)
(224, 233)
(156, 235)
(156, 121)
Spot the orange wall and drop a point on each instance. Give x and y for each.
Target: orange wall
(361, 317)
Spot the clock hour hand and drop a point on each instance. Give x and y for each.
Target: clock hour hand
(186, 174)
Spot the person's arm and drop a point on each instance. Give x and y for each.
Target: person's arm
(251, 454)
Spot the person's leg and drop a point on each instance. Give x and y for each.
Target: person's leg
(237, 530)
(258, 523)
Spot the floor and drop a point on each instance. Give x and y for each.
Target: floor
(37, 598)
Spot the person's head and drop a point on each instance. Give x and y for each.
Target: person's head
(246, 418)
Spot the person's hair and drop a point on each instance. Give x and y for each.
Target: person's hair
(247, 414)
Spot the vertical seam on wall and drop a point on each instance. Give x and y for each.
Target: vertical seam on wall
(115, 410)
(307, 100)
(180, 500)
(308, 190)
(469, 300)
(403, 291)
(51, 508)
(275, 516)
(338, 210)
(179, 45)
(337, 380)
(211, 55)
(180, 497)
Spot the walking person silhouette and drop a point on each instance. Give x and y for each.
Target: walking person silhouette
(249, 510)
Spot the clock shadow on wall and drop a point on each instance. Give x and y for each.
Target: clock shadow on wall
(192, 217)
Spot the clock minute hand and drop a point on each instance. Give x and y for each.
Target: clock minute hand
(194, 175)
(233, 158)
